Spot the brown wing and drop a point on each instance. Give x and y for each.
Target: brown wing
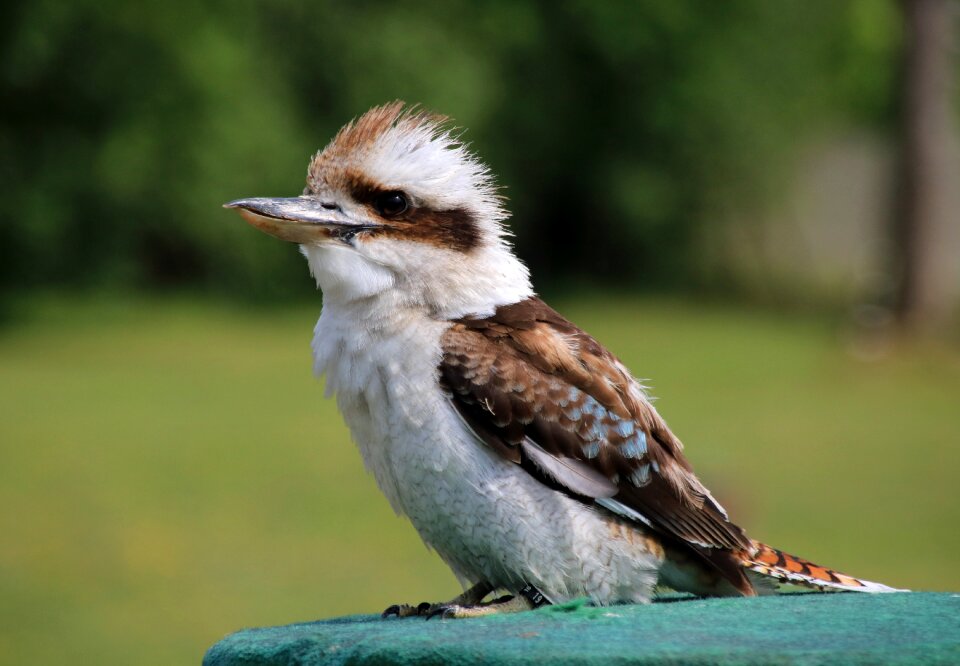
(547, 396)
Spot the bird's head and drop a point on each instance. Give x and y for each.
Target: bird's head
(396, 204)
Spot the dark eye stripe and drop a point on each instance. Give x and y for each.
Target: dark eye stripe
(454, 228)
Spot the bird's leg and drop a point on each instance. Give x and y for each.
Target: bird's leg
(528, 598)
(470, 597)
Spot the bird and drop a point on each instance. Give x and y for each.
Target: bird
(524, 453)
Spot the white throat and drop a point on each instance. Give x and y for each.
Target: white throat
(380, 279)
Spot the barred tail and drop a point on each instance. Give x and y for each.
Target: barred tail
(795, 570)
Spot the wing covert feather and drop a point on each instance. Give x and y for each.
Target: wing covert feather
(546, 395)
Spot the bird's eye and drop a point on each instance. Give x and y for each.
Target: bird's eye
(391, 204)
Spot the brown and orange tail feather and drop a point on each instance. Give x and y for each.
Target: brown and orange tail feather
(794, 570)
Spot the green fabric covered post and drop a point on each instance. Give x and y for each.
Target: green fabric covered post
(833, 628)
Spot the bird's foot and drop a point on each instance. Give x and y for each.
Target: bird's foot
(507, 604)
(470, 604)
(406, 610)
(470, 597)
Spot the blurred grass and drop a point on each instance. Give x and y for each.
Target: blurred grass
(170, 472)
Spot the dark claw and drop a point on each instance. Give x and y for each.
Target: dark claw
(445, 612)
(391, 610)
(403, 610)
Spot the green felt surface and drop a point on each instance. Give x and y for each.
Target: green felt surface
(905, 628)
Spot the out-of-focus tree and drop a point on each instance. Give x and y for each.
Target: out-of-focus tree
(621, 129)
(123, 127)
(925, 129)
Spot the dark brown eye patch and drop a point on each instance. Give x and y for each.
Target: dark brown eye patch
(453, 228)
(387, 203)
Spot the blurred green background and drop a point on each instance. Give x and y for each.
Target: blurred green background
(706, 187)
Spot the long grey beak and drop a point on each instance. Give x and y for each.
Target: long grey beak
(297, 219)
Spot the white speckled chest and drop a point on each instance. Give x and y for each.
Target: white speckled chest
(486, 517)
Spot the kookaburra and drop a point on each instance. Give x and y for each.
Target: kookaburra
(523, 452)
